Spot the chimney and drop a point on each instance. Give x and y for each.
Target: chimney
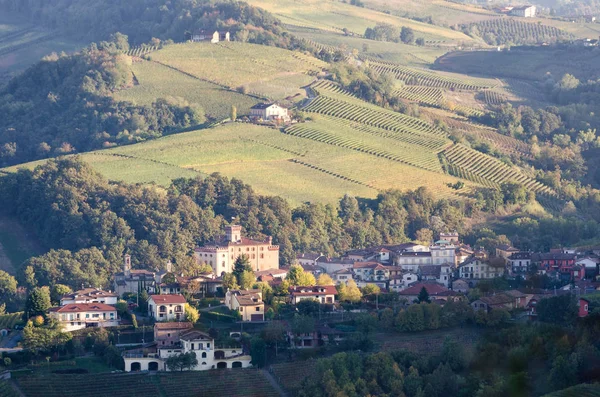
(127, 266)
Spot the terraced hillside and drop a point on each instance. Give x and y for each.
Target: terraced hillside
(470, 164)
(415, 76)
(518, 31)
(268, 72)
(238, 382)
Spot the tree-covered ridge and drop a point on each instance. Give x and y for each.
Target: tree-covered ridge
(63, 104)
(143, 20)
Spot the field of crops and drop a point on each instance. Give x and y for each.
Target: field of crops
(423, 94)
(335, 16)
(517, 31)
(493, 98)
(290, 375)
(10, 320)
(158, 81)
(414, 76)
(333, 101)
(475, 166)
(262, 70)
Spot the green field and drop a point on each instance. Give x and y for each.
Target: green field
(268, 72)
(156, 80)
(335, 16)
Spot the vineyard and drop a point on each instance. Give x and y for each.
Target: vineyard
(414, 76)
(290, 375)
(493, 98)
(10, 320)
(333, 101)
(141, 50)
(475, 166)
(516, 31)
(238, 382)
(431, 96)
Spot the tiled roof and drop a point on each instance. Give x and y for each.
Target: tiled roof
(168, 299)
(173, 325)
(313, 290)
(432, 289)
(430, 270)
(194, 334)
(91, 293)
(83, 307)
(262, 105)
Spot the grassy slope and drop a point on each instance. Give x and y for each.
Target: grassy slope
(22, 44)
(156, 80)
(266, 71)
(336, 15)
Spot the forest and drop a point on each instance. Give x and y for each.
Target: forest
(516, 360)
(63, 105)
(89, 223)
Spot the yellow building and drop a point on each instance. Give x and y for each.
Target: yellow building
(221, 254)
(248, 302)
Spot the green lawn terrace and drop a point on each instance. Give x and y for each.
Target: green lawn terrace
(263, 71)
(336, 16)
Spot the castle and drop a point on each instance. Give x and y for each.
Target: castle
(221, 254)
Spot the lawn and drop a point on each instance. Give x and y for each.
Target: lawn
(265, 71)
(158, 81)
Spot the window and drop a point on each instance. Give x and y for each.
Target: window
(258, 308)
(585, 308)
(192, 346)
(253, 256)
(262, 256)
(208, 345)
(204, 356)
(169, 335)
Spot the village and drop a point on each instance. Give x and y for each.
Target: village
(316, 288)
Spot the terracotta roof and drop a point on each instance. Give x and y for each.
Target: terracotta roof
(309, 256)
(506, 247)
(92, 293)
(370, 265)
(430, 270)
(173, 325)
(194, 334)
(270, 272)
(432, 289)
(83, 307)
(168, 299)
(498, 299)
(313, 290)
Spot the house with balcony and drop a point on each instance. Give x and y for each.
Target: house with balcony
(372, 273)
(343, 276)
(89, 295)
(76, 316)
(248, 303)
(479, 268)
(209, 356)
(320, 293)
(519, 263)
(166, 307)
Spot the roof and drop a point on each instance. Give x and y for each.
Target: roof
(313, 290)
(309, 256)
(312, 268)
(223, 242)
(262, 105)
(168, 299)
(432, 289)
(430, 270)
(556, 256)
(520, 255)
(194, 334)
(335, 260)
(369, 265)
(414, 253)
(83, 307)
(270, 272)
(173, 325)
(515, 293)
(249, 300)
(498, 299)
(91, 293)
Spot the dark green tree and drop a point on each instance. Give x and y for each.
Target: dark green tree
(38, 302)
(423, 295)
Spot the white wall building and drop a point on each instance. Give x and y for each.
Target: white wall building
(89, 295)
(84, 315)
(166, 307)
(202, 345)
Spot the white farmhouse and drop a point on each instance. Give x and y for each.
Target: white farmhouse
(269, 112)
(166, 307)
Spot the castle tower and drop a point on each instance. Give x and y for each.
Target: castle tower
(233, 233)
